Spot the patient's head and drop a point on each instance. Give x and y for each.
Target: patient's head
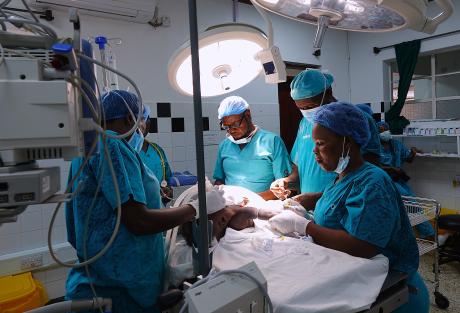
(234, 216)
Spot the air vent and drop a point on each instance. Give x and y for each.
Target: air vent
(44, 153)
(44, 55)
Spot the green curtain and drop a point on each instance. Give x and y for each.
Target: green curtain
(406, 57)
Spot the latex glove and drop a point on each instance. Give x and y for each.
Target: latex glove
(294, 206)
(267, 212)
(288, 222)
(214, 202)
(280, 188)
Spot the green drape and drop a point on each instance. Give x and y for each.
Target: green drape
(406, 57)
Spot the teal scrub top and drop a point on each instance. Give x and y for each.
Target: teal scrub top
(154, 162)
(256, 166)
(373, 146)
(134, 263)
(312, 177)
(366, 204)
(395, 155)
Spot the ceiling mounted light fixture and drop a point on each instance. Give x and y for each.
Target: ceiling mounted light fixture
(360, 15)
(227, 60)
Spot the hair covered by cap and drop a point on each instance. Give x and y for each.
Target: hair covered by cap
(147, 111)
(310, 83)
(231, 106)
(365, 108)
(116, 103)
(383, 124)
(344, 119)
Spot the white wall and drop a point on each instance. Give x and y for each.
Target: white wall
(430, 177)
(144, 55)
(366, 68)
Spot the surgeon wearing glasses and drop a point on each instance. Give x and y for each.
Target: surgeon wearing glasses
(249, 157)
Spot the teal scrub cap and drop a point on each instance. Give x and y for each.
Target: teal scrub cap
(310, 83)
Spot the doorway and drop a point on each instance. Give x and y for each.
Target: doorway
(290, 116)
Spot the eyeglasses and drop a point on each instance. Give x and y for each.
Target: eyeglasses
(234, 125)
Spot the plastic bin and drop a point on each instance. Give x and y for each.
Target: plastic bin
(21, 293)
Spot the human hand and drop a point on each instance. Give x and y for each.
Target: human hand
(214, 202)
(414, 150)
(294, 206)
(280, 188)
(289, 222)
(166, 194)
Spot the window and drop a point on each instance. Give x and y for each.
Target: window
(434, 92)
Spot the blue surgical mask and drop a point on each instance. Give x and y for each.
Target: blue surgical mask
(137, 140)
(385, 136)
(309, 114)
(343, 160)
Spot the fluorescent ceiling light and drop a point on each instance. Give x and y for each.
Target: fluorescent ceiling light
(227, 60)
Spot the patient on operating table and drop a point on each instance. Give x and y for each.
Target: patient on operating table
(237, 217)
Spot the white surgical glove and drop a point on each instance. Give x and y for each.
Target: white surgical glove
(214, 202)
(294, 206)
(279, 188)
(288, 222)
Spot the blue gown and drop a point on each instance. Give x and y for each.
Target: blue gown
(263, 160)
(395, 155)
(373, 146)
(152, 160)
(131, 271)
(366, 204)
(312, 177)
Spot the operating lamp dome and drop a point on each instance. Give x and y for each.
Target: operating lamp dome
(360, 15)
(227, 60)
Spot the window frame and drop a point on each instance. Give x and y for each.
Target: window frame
(434, 98)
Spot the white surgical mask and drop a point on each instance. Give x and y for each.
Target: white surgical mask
(385, 136)
(137, 140)
(309, 114)
(343, 160)
(245, 140)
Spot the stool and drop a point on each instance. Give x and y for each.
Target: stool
(450, 251)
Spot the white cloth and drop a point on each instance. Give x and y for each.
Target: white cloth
(302, 276)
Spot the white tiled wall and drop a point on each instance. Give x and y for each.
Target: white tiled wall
(53, 280)
(432, 178)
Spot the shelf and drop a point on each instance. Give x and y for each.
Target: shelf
(419, 212)
(425, 136)
(431, 155)
(425, 246)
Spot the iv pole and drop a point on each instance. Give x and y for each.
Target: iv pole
(203, 248)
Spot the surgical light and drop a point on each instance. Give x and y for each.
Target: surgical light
(360, 15)
(227, 60)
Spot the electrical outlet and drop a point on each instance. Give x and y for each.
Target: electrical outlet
(32, 261)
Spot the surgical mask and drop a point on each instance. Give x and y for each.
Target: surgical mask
(385, 136)
(343, 160)
(245, 140)
(309, 114)
(137, 140)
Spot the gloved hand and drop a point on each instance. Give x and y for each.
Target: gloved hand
(289, 222)
(214, 202)
(294, 206)
(280, 188)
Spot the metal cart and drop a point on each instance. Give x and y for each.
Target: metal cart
(420, 210)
